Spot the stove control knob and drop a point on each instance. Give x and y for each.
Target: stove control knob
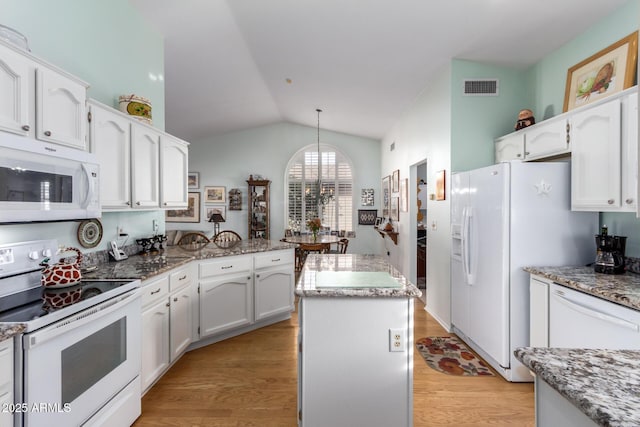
(34, 255)
(46, 252)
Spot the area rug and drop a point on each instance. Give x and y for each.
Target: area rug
(450, 356)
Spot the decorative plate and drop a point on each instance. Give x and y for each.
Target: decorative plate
(90, 233)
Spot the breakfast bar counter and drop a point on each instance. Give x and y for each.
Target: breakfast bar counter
(355, 361)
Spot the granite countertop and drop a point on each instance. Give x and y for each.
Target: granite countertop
(604, 384)
(144, 267)
(10, 329)
(623, 289)
(352, 263)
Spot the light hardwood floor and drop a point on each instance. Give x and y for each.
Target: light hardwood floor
(251, 380)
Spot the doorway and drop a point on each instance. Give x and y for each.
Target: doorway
(418, 215)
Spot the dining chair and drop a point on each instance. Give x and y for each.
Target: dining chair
(342, 245)
(226, 239)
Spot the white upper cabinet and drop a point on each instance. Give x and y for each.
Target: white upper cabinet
(110, 135)
(43, 102)
(547, 139)
(595, 158)
(17, 85)
(174, 165)
(145, 166)
(60, 109)
(510, 147)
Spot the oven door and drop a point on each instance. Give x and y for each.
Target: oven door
(74, 367)
(36, 185)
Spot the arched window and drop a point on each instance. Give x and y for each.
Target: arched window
(328, 196)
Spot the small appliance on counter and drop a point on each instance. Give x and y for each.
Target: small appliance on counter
(152, 245)
(610, 252)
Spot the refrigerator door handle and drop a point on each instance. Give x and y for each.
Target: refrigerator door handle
(465, 244)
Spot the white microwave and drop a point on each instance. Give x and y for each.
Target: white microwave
(46, 182)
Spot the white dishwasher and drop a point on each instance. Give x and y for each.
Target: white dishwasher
(580, 320)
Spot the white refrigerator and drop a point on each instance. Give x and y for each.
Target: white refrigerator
(505, 217)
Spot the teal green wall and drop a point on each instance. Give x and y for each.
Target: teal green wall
(107, 44)
(478, 120)
(548, 77)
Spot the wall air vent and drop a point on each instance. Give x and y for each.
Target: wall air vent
(481, 87)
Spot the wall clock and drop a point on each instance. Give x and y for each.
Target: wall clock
(90, 233)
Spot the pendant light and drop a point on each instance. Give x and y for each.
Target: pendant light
(322, 196)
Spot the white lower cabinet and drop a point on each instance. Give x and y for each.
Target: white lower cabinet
(539, 312)
(274, 283)
(166, 322)
(6, 381)
(225, 303)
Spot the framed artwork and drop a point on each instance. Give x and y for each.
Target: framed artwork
(386, 194)
(366, 197)
(235, 199)
(606, 72)
(440, 185)
(394, 212)
(367, 216)
(395, 181)
(214, 195)
(190, 214)
(378, 222)
(193, 180)
(404, 196)
(222, 210)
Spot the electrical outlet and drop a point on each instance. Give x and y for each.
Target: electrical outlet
(396, 339)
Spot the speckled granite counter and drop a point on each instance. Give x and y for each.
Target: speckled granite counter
(603, 384)
(144, 267)
(9, 330)
(352, 263)
(623, 289)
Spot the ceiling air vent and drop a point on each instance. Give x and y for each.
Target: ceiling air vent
(481, 87)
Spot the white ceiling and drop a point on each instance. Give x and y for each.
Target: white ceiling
(362, 61)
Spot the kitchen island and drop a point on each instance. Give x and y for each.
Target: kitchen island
(355, 361)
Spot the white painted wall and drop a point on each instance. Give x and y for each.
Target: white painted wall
(229, 159)
(424, 132)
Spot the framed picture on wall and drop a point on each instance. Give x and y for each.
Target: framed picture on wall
(222, 210)
(366, 197)
(190, 214)
(193, 179)
(395, 181)
(367, 216)
(404, 196)
(440, 185)
(394, 212)
(386, 195)
(215, 195)
(606, 72)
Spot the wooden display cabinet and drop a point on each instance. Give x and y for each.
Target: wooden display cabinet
(259, 209)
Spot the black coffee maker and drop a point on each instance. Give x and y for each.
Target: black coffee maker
(610, 253)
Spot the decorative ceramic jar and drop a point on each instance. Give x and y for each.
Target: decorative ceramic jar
(136, 106)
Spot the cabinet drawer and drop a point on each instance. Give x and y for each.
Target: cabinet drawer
(179, 279)
(155, 290)
(232, 264)
(275, 258)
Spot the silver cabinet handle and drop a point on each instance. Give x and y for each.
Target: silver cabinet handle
(155, 292)
(128, 203)
(47, 133)
(138, 203)
(168, 304)
(610, 201)
(226, 267)
(183, 277)
(628, 201)
(26, 128)
(526, 153)
(519, 155)
(175, 299)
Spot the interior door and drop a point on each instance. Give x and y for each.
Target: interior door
(488, 260)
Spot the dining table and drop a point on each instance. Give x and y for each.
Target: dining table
(307, 244)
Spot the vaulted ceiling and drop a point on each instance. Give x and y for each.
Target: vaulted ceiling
(235, 64)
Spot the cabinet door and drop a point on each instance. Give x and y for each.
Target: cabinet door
(274, 291)
(629, 152)
(110, 141)
(155, 342)
(538, 313)
(174, 165)
(509, 147)
(6, 382)
(60, 109)
(225, 303)
(145, 163)
(16, 85)
(550, 138)
(180, 325)
(595, 158)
